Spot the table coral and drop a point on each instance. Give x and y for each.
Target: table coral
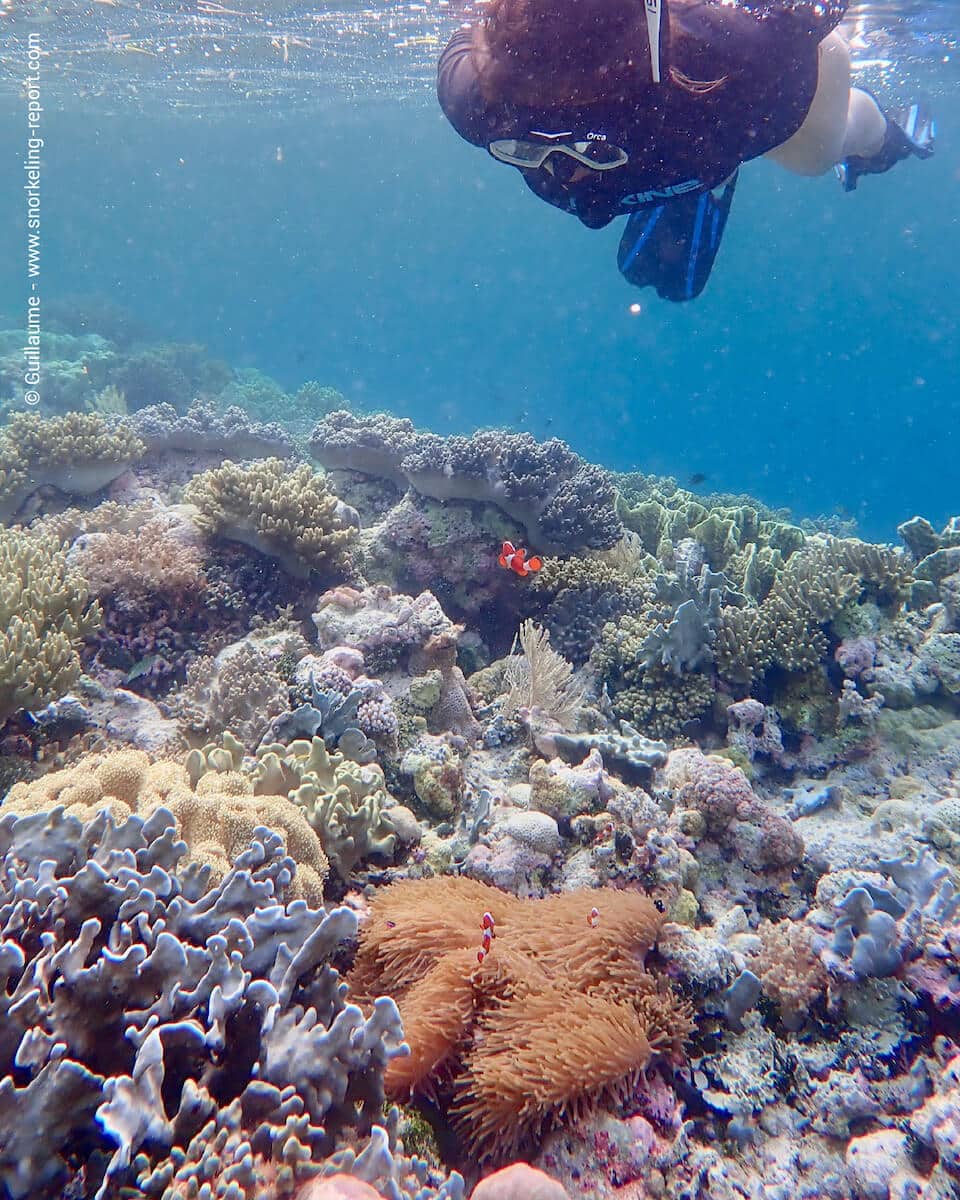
(281, 511)
(557, 1017)
(77, 453)
(44, 615)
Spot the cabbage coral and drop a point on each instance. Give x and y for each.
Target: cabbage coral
(44, 615)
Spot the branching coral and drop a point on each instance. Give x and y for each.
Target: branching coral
(44, 614)
(584, 593)
(787, 628)
(558, 1016)
(281, 511)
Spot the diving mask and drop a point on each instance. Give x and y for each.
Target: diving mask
(596, 155)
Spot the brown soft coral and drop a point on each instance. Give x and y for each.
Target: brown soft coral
(157, 557)
(558, 1017)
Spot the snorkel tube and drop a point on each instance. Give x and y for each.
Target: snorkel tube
(653, 10)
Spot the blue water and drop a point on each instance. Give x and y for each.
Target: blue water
(348, 236)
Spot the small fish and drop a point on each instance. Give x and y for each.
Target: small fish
(143, 667)
(697, 478)
(514, 558)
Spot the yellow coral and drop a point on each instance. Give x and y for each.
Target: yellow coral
(44, 615)
(216, 821)
(282, 511)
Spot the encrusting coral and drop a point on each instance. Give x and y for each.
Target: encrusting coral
(44, 615)
(551, 1017)
(216, 817)
(284, 512)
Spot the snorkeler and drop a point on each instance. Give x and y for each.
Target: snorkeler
(611, 107)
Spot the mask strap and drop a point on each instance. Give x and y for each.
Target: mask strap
(653, 36)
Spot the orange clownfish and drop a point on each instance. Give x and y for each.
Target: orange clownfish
(515, 559)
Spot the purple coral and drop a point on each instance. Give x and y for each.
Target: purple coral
(732, 812)
(564, 504)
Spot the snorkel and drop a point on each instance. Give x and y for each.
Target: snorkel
(653, 10)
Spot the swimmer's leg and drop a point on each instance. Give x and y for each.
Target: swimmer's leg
(908, 132)
(821, 139)
(846, 128)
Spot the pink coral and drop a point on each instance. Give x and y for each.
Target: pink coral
(519, 1182)
(732, 812)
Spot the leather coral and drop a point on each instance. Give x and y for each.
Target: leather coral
(559, 1016)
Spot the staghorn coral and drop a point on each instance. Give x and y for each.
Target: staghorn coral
(284, 512)
(77, 453)
(558, 1017)
(216, 816)
(44, 615)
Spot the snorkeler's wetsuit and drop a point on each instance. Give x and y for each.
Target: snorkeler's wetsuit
(682, 141)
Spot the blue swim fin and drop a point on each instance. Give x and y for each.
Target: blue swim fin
(672, 245)
(910, 132)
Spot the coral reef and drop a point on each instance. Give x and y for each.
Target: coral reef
(549, 1018)
(44, 614)
(284, 512)
(674, 907)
